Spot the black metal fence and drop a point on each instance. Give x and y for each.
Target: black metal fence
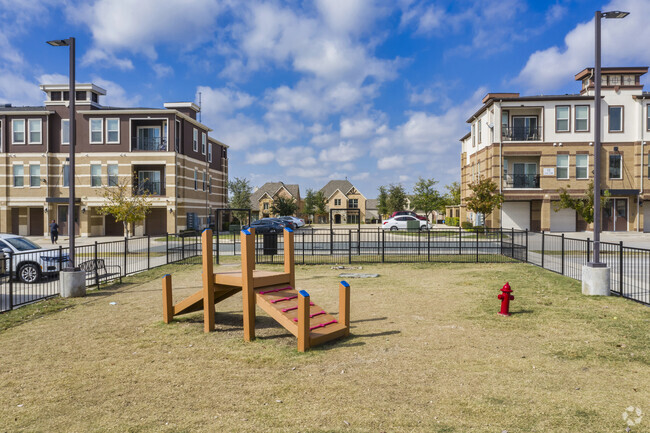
(107, 261)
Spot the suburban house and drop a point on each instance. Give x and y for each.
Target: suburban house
(263, 197)
(343, 198)
(164, 152)
(533, 145)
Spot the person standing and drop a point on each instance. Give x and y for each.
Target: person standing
(54, 231)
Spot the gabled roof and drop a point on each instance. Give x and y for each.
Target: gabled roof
(342, 185)
(372, 204)
(272, 188)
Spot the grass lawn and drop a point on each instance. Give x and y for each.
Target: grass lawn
(428, 354)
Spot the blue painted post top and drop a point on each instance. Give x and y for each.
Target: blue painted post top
(205, 230)
(304, 293)
(345, 284)
(246, 232)
(166, 275)
(289, 229)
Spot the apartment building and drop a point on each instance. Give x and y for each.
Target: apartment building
(533, 145)
(164, 152)
(263, 197)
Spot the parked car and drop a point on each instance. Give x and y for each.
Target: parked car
(298, 222)
(408, 212)
(285, 223)
(400, 223)
(265, 225)
(30, 262)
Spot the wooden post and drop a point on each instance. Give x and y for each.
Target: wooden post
(303, 321)
(208, 281)
(289, 259)
(168, 306)
(344, 305)
(248, 292)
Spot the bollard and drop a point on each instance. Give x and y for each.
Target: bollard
(505, 297)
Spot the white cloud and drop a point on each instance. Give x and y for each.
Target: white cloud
(296, 156)
(358, 128)
(238, 132)
(361, 176)
(102, 58)
(116, 96)
(222, 100)
(54, 79)
(162, 70)
(624, 42)
(390, 162)
(18, 90)
(258, 158)
(344, 152)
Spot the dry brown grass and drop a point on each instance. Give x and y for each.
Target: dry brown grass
(428, 353)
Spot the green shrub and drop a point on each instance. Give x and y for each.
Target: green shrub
(466, 225)
(451, 221)
(478, 229)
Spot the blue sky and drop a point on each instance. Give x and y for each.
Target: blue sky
(303, 92)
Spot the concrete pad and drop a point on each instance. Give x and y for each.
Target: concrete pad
(595, 281)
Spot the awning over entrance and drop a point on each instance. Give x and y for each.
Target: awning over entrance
(620, 192)
(61, 200)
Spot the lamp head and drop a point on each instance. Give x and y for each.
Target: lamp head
(614, 14)
(59, 42)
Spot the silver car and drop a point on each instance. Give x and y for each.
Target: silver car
(29, 261)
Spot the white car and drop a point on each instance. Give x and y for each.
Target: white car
(400, 223)
(298, 222)
(29, 261)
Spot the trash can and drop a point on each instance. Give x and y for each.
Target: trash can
(413, 226)
(270, 245)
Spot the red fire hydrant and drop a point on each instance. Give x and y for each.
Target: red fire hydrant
(505, 297)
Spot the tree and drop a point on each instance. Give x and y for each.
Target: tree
(453, 194)
(125, 203)
(284, 206)
(321, 203)
(382, 202)
(485, 197)
(584, 206)
(240, 197)
(396, 198)
(425, 197)
(310, 203)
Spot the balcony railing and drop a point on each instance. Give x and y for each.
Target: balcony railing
(157, 144)
(521, 133)
(521, 180)
(149, 187)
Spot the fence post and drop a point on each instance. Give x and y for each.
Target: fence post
(312, 241)
(350, 246)
(167, 246)
(542, 249)
(501, 236)
(11, 279)
(460, 240)
(526, 245)
(562, 260)
(126, 248)
(620, 268)
(148, 252)
(588, 252)
(419, 232)
(512, 242)
(476, 246)
(96, 273)
(383, 245)
(217, 240)
(428, 245)
(182, 247)
(358, 241)
(331, 242)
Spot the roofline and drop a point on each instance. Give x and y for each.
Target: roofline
(77, 86)
(469, 134)
(190, 105)
(148, 111)
(623, 69)
(529, 98)
(22, 113)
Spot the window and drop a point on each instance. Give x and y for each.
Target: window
(196, 178)
(80, 96)
(113, 179)
(563, 166)
(647, 111)
(473, 135)
(615, 166)
(55, 96)
(203, 180)
(35, 127)
(195, 140)
(337, 202)
(65, 131)
(96, 130)
(18, 131)
(209, 152)
(615, 119)
(603, 80)
(582, 166)
(582, 118)
(35, 175)
(210, 184)
(66, 175)
(504, 120)
(562, 113)
(95, 175)
(112, 130)
(614, 80)
(478, 128)
(629, 80)
(266, 206)
(353, 203)
(19, 175)
(204, 140)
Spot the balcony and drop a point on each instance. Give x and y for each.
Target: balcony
(148, 187)
(152, 144)
(521, 133)
(521, 181)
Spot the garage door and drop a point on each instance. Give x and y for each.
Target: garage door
(516, 215)
(563, 220)
(646, 217)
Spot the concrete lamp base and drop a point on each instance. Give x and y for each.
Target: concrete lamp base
(595, 280)
(73, 284)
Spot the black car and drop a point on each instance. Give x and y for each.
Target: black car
(265, 225)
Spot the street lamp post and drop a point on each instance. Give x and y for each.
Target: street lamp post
(597, 127)
(70, 42)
